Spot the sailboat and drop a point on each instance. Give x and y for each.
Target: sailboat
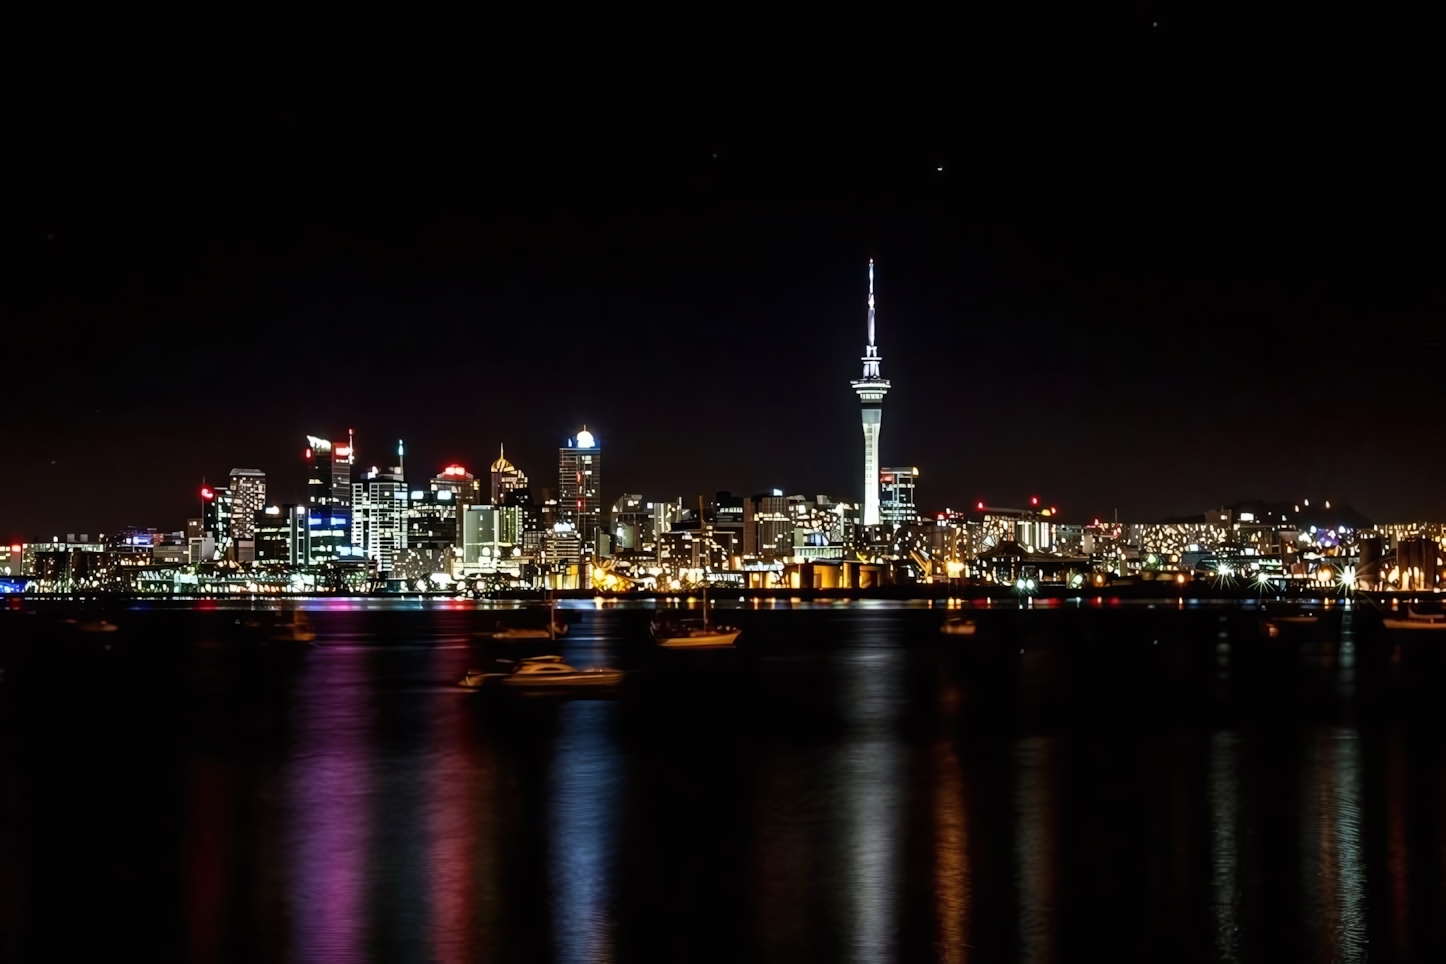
(693, 633)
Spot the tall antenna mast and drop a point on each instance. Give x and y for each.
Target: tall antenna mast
(871, 301)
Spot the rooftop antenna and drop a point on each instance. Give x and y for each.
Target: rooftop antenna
(401, 459)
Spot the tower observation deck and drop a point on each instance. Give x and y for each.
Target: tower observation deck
(872, 388)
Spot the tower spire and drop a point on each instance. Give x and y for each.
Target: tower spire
(871, 388)
(871, 302)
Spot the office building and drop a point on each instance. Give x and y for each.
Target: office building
(767, 527)
(328, 499)
(506, 478)
(329, 471)
(281, 535)
(896, 496)
(579, 481)
(379, 517)
(248, 497)
(871, 388)
(216, 520)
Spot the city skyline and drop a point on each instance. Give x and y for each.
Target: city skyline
(1213, 324)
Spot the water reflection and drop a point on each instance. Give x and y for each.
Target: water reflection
(871, 777)
(953, 885)
(586, 789)
(1224, 793)
(1036, 847)
(1334, 870)
(329, 815)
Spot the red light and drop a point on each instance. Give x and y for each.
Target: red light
(1053, 511)
(454, 470)
(342, 451)
(981, 505)
(1034, 500)
(15, 548)
(308, 454)
(206, 493)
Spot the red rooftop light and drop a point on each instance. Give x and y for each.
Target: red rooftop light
(1034, 500)
(981, 505)
(207, 493)
(454, 470)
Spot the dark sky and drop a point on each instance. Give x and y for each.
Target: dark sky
(1156, 276)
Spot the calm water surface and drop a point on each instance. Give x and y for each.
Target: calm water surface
(847, 786)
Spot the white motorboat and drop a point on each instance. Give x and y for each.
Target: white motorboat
(959, 626)
(553, 673)
(543, 672)
(694, 633)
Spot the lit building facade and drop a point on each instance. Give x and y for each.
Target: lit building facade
(328, 499)
(281, 535)
(248, 497)
(896, 496)
(579, 483)
(871, 389)
(379, 517)
(506, 478)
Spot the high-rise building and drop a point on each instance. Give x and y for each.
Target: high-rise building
(767, 527)
(281, 535)
(379, 517)
(328, 499)
(329, 477)
(579, 483)
(871, 388)
(248, 497)
(506, 478)
(896, 500)
(215, 522)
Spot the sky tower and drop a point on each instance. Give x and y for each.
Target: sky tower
(871, 388)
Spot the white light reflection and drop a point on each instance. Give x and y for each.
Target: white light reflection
(1333, 860)
(586, 791)
(870, 771)
(1225, 842)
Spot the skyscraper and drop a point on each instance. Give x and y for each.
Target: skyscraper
(379, 517)
(896, 504)
(579, 481)
(872, 388)
(328, 498)
(329, 465)
(248, 497)
(506, 478)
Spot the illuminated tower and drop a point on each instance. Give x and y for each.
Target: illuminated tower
(871, 388)
(579, 479)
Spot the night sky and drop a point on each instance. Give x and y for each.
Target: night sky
(1156, 280)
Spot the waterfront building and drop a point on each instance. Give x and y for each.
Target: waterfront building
(506, 478)
(248, 497)
(281, 535)
(464, 489)
(579, 483)
(767, 529)
(379, 517)
(871, 389)
(329, 472)
(328, 499)
(897, 505)
(215, 539)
